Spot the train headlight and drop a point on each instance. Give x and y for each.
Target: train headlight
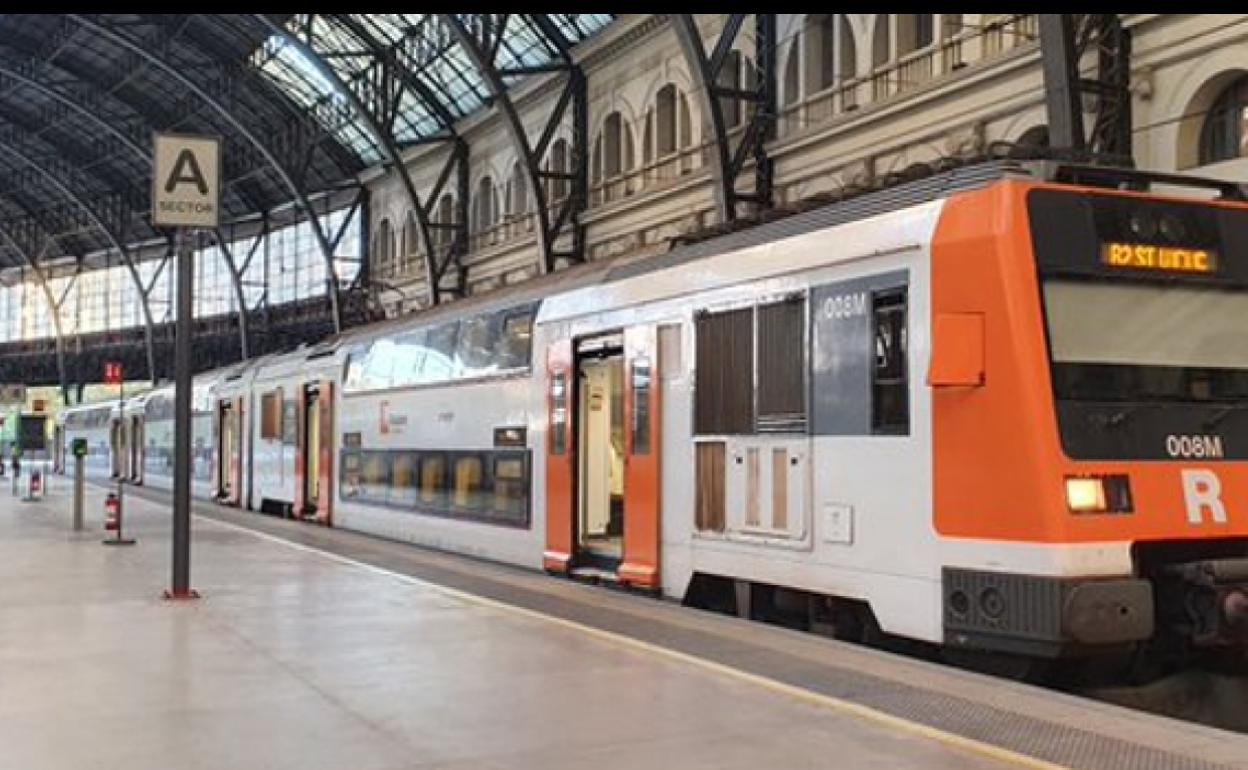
(1085, 495)
(1098, 494)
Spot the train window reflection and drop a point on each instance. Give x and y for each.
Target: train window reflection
(375, 476)
(403, 480)
(468, 487)
(475, 353)
(439, 361)
(432, 479)
(509, 487)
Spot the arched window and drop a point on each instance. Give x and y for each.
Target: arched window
(483, 208)
(517, 192)
(383, 248)
(613, 151)
(1222, 137)
(879, 41)
(413, 247)
(444, 235)
(915, 31)
(557, 163)
(732, 76)
(831, 56)
(792, 74)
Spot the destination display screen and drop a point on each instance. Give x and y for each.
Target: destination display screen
(1143, 256)
(1130, 237)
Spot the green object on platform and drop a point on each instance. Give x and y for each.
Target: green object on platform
(79, 447)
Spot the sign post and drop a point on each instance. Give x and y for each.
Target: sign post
(186, 193)
(113, 375)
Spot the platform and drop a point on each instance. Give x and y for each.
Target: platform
(315, 648)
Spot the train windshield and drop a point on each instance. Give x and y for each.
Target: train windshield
(1136, 341)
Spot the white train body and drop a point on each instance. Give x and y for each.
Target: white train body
(859, 411)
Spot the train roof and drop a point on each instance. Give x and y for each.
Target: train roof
(929, 183)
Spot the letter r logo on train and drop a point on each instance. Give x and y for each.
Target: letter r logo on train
(1202, 491)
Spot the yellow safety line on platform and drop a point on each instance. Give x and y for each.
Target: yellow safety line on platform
(828, 701)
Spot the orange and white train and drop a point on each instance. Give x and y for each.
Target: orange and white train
(994, 409)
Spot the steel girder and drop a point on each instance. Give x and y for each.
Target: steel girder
(384, 140)
(135, 47)
(70, 194)
(707, 70)
(142, 204)
(1064, 39)
(436, 267)
(482, 48)
(54, 307)
(88, 103)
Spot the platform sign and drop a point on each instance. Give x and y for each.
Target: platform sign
(12, 394)
(186, 180)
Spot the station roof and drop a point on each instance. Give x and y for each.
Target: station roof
(81, 95)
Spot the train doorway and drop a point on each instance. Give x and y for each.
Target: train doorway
(117, 438)
(229, 451)
(314, 457)
(136, 450)
(600, 450)
(312, 451)
(602, 457)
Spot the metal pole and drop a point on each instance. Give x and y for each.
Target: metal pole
(79, 499)
(181, 588)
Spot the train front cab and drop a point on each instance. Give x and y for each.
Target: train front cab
(602, 456)
(1090, 419)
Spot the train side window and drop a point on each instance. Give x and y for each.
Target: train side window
(510, 487)
(558, 413)
(432, 480)
(409, 355)
(782, 366)
(476, 354)
(439, 364)
(468, 492)
(641, 407)
(403, 480)
(375, 477)
(890, 401)
(516, 342)
(271, 414)
(350, 476)
(724, 385)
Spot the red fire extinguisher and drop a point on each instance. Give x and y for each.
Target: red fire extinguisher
(112, 512)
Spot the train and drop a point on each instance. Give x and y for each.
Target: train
(1002, 408)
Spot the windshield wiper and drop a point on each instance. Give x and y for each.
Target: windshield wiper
(1219, 416)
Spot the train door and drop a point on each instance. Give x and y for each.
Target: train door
(600, 453)
(136, 450)
(230, 450)
(602, 489)
(314, 458)
(117, 443)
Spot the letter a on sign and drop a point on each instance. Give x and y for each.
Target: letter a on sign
(186, 181)
(186, 170)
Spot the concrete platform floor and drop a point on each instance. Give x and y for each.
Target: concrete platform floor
(295, 659)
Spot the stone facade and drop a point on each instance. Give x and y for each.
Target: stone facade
(860, 96)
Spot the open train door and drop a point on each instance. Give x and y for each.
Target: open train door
(602, 458)
(560, 457)
(314, 457)
(117, 445)
(136, 449)
(229, 465)
(642, 466)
